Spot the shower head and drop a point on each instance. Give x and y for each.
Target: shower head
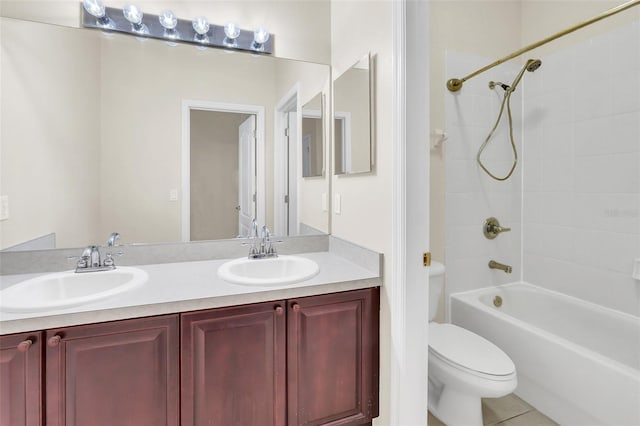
(531, 66)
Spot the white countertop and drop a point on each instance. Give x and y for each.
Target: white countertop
(188, 286)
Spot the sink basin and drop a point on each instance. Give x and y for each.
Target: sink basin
(65, 289)
(269, 271)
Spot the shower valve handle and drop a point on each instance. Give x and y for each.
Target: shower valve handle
(492, 228)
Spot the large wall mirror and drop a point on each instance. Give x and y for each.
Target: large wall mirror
(353, 140)
(107, 132)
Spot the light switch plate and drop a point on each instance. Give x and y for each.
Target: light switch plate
(4, 207)
(337, 204)
(173, 195)
(325, 205)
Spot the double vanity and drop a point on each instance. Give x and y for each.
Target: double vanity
(285, 340)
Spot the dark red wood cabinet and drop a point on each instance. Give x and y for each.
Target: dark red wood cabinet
(305, 361)
(121, 373)
(21, 379)
(233, 366)
(332, 358)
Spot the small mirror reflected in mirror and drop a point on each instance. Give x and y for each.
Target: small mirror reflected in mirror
(352, 119)
(313, 137)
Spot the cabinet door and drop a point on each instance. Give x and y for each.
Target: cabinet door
(121, 373)
(333, 358)
(233, 366)
(21, 379)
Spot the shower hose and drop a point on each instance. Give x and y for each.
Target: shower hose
(506, 100)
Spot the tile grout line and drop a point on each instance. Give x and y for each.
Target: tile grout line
(513, 417)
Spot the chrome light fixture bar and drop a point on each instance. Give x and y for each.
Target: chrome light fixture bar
(162, 27)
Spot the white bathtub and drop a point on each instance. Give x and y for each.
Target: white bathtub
(577, 362)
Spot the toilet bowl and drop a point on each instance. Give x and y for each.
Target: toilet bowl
(463, 367)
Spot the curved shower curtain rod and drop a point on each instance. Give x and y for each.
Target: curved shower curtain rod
(455, 84)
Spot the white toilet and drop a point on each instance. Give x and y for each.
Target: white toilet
(463, 367)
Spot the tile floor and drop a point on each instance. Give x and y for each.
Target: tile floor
(507, 411)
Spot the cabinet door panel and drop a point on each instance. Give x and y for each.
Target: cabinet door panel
(121, 373)
(21, 379)
(233, 366)
(333, 358)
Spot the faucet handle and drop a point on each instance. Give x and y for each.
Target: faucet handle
(253, 233)
(81, 261)
(111, 241)
(265, 233)
(492, 228)
(108, 261)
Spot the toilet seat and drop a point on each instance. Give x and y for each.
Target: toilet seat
(469, 352)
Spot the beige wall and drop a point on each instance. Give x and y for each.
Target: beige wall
(366, 207)
(301, 28)
(214, 174)
(52, 167)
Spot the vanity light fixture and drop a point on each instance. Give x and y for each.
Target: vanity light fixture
(168, 20)
(231, 31)
(166, 26)
(96, 9)
(260, 37)
(134, 15)
(201, 27)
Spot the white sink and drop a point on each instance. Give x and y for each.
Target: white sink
(65, 289)
(270, 271)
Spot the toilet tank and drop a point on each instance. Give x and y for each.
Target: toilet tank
(436, 285)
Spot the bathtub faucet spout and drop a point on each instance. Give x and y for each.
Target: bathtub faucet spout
(495, 265)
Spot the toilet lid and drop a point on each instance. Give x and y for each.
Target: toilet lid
(468, 350)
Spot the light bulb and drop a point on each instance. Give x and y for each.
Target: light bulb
(94, 8)
(168, 19)
(261, 36)
(200, 25)
(133, 14)
(231, 30)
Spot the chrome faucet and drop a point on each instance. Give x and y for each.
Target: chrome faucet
(266, 245)
(253, 236)
(94, 256)
(261, 246)
(496, 265)
(90, 260)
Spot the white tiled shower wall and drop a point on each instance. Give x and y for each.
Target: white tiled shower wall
(581, 212)
(574, 200)
(472, 196)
